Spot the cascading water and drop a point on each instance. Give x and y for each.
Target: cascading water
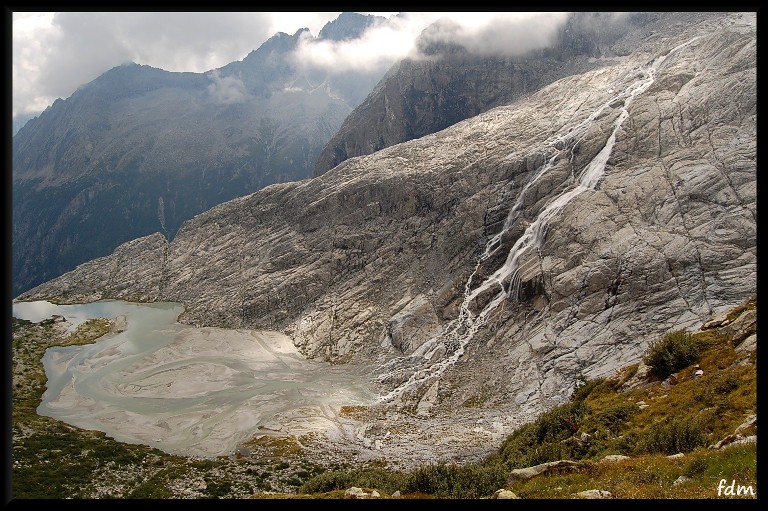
(460, 331)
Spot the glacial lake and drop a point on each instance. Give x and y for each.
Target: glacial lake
(186, 390)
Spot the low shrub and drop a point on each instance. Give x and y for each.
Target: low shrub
(672, 436)
(584, 388)
(613, 417)
(674, 351)
(381, 479)
(560, 422)
(457, 482)
(542, 440)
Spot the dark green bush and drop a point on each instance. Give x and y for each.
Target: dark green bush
(515, 450)
(441, 480)
(584, 387)
(380, 479)
(216, 488)
(674, 351)
(327, 481)
(152, 489)
(672, 436)
(560, 422)
(553, 451)
(542, 440)
(457, 482)
(614, 416)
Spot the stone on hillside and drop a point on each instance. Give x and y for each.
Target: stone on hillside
(748, 344)
(610, 458)
(740, 328)
(581, 440)
(505, 494)
(639, 378)
(355, 493)
(748, 423)
(593, 494)
(544, 468)
(737, 437)
(719, 321)
(734, 440)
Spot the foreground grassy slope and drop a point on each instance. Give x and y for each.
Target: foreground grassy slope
(641, 413)
(661, 423)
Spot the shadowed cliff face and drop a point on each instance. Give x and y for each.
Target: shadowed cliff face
(140, 150)
(501, 257)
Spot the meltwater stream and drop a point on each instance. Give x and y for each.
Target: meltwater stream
(185, 390)
(505, 279)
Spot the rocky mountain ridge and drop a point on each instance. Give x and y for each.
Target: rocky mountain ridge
(495, 261)
(141, 149)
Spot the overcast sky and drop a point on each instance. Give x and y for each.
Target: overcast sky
(55, 53)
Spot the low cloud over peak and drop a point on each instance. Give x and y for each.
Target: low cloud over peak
(405, 35)
(503, 34)
(54, 53)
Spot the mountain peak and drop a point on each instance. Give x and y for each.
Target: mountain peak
(349, 25)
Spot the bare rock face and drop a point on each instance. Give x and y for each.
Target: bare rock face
(415, 323)
(497, 260)
(133, 272)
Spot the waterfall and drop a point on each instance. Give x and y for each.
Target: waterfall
(460, 331)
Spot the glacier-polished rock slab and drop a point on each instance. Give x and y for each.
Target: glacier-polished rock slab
(586, 220)
(190, 391)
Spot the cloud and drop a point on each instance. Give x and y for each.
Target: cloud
(55, 53)
(30, 45)
(506, 34)
(502, 33)
(227, 90)
(379, 47)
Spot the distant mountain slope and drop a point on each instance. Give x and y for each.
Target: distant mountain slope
(19, 121)
(447, 83)
(140, 150)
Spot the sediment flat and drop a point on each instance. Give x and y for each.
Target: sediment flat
(204, 392)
